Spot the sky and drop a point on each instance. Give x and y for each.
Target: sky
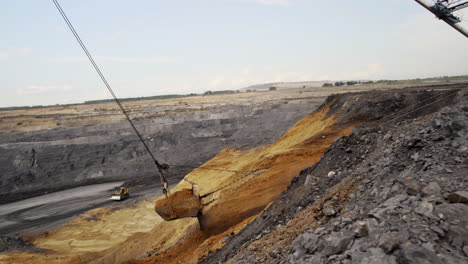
(155, 47)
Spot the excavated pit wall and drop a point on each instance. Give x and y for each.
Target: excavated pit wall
(369, 161)
(46, 160)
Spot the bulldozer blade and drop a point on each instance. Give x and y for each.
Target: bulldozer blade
(180, 204)
(115, 198)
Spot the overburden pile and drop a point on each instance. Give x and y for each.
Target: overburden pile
(394, 191)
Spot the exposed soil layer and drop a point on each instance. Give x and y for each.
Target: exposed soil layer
(335, 118)
(393, 191)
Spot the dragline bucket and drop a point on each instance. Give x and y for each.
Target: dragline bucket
(180, 204)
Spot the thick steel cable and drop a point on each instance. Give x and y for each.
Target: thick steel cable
(158, 165)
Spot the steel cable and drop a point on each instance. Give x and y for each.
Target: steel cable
(117, 101)
(421, 107)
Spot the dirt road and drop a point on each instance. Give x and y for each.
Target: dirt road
(48, 211)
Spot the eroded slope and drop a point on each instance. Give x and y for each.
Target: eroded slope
(391, 192)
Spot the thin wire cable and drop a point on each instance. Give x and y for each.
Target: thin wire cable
(158, 165)
(397, 114)
(419, 108)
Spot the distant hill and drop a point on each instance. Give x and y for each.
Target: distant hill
(285, 85)
(315, 84)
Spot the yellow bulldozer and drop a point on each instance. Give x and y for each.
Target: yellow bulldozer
(120, 194)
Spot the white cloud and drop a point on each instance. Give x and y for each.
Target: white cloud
(59, 28)
(371, 71)
(38, 89)
(14, 52)
(153, 59)
(270, 2)
(114, 36)
(3, 56)
(274, 2)
(217, 82)
(291, 76)
(323, 77)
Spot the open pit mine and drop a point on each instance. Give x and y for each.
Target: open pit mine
(290, 176)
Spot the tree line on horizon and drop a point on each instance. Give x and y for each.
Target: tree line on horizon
(271, 88)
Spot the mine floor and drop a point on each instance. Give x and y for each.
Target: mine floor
(49, 211)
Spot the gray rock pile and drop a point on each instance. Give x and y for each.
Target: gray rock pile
(409, 204)
(412, 203)
(11, 243)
